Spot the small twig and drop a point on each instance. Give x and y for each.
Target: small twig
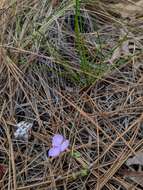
(132, 173)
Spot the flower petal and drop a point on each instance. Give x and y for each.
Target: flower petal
(57, 140)
(53, 152)
(64, 145)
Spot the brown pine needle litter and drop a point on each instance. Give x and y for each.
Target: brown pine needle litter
(71, 94)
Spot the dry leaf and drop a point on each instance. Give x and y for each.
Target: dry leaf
(2, 170)
(55, 3)
(136, 176)
(122, 50)
(129, 9)
(2, 2)
(137, 159)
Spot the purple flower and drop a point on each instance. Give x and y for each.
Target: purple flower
(59, 144)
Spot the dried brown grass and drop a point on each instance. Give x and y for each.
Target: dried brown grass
(103, 120)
